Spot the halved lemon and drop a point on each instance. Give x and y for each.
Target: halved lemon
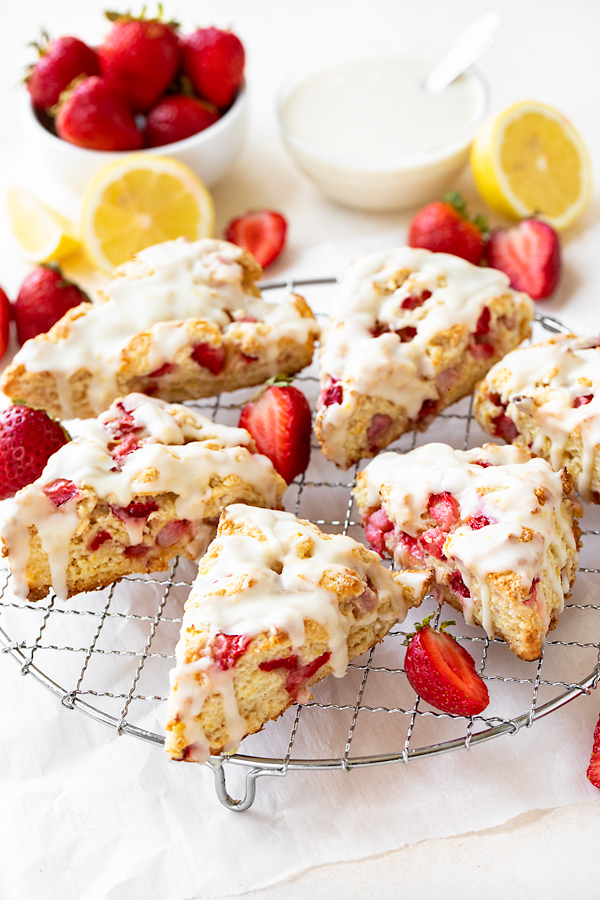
(529, 160)
(142, 200)
(42, 233)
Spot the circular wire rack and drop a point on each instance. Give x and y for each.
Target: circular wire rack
(108, 653)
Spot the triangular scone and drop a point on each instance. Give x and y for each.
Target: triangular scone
(143, 484)
(496, 528)
(181, 320)
(411, 332)
(547, 397)
(277, 606)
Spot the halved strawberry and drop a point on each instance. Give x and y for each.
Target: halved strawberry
(261, 232)
(442, 672)
(280, 423)
(529, 253)
(593, 772)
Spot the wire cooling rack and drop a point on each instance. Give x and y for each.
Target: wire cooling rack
(108, 653)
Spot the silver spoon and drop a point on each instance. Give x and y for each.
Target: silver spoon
(478, 38)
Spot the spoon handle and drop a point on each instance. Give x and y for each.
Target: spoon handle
(468, 48)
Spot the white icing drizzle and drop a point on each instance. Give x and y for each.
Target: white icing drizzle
(383, 366)
(168, 283)
(244, 593)
(504, 492)
(179, 452)
(569, 367)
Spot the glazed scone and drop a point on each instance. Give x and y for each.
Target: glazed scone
(495, 526)
(180, 321)
(546, 397)
(411, 332)
(144, 483)
(277, 605)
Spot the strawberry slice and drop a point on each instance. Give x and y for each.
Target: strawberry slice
(280, 423)
(261, 232)
(441, 671)
(529, 253)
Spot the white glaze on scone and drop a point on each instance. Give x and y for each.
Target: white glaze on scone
(156, 293)
(555, 386)
(520, 496)
(175, 451)
(386, 289)
(265, 580)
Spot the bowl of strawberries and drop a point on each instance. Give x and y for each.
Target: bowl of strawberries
(146, 87)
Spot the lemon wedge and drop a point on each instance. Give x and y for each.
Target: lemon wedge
(142, 200)
(529, 160)
(42, 233)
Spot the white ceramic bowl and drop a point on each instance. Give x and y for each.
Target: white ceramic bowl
(380, 183)
(210, 153)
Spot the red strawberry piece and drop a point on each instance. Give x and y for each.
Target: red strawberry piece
(377, 430)
(482, 462)
(28, 438)
(209, 357)
(125, 447)
(60, 491)
(214, 60)
(5, 317)
(407, 334)
(444, 227)
(100, 538)
(433, 541)
(95, 116)
(333, 393)
(139, 58)
(166, 369)
(458, 586)
(280, 423)
(376, 526)
(60, 62)
(411, 546)
(261, 232)
(483, 322)
(137, 509)
(172, 532)
(428, 408)
(443, 508)
(226, 649)
(365, 603)
(134, 551)
(443, 673)
(44, 298)
(414, 302)
(477, 522)
(504, 427)
(582, 400)
(298, 672)
(593, 772)
(482, 351)
(177, 117)
(529, 253)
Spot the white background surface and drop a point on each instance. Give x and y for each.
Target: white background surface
(85, 814)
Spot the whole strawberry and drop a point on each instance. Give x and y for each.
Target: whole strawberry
(177, 117)
(5, 317)
(43, 299)
(442, 672)
(214, 61)
(529, 253)
(444, 227)
(95, 116)
(139, 58)
(60, 62)
(280, 423)
(262, 232)
(28, 438)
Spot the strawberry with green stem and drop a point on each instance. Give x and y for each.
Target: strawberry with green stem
(445, 227)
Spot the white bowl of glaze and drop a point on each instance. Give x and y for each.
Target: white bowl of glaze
(210, 153)
(366, 132)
